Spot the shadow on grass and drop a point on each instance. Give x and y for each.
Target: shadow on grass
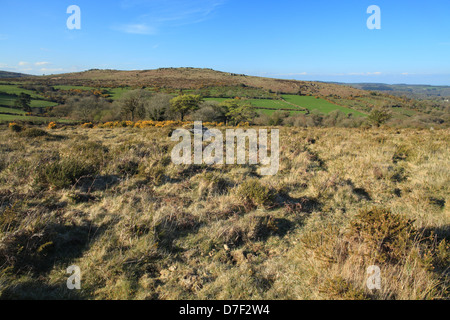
(41, 251)
(36, 290)
(298, 205)
(98, 183)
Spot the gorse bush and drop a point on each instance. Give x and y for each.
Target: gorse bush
(66, 172)
(33, 133)
(381, 236)
(339, 257)
(89, 150)
(88, 125)
(14, 127)
(256, 193)
(379, 117)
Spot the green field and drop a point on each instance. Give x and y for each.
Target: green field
(8, 99)
(272, 104)
(42, 104)
(14, 89)
(313, 103)
(403, 113)
(9, 118)
(216, 99)
(116, 93)
(270, 112)
(11, 110)
(266, 106)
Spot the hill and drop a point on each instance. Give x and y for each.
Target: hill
(10, 75)
(194, 78)
(277, 100)
(415, 91)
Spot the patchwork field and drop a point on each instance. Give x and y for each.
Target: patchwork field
(8, 96)
(139, 227)
(267, 106)
(14, 89)
(271, 106)
(12, 110)
(99, 96)
(321, 105)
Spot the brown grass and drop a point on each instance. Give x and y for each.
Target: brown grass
(140, 227)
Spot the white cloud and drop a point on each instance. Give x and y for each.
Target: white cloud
(137, 29)
(23, 63)
(158, 14)
(42, 63)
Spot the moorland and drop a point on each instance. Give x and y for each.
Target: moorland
(86, 179)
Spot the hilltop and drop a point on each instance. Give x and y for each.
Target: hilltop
(194, 78)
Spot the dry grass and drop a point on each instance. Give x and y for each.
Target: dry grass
(140, 227)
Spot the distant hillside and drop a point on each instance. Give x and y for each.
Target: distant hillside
(193, 78)
(416, 91)
(267, 97)
(6, 74)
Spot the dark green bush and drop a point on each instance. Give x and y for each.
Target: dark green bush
(66, 172)
(253, 191)
(92, 153)
(33, 133)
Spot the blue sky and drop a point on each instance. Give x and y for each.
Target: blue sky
(325, 40)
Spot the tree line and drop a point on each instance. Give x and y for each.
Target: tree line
(141, 104)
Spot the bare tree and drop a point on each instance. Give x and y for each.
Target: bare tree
(158, 107)
(133, 104)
